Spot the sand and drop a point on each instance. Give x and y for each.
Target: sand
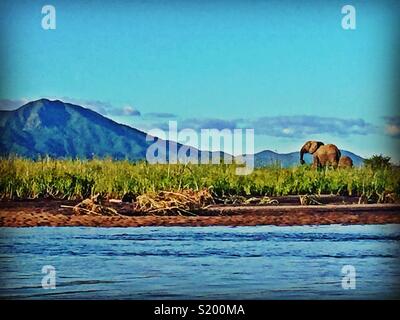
(31, 213)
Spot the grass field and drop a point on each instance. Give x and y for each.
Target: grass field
(77, 179)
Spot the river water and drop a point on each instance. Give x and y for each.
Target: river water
(263, 262)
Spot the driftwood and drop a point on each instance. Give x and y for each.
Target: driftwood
(93, 206)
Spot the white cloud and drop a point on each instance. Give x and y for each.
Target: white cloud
(392, 127)
(12, 104)
(130, 111)
(393, 130)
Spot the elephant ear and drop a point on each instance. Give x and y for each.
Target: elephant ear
(314, 145)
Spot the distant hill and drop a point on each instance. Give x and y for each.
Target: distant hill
(64, 130)
(268, 157)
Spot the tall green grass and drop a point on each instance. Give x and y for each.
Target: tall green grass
(77, 179)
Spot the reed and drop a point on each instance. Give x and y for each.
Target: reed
(79, 179)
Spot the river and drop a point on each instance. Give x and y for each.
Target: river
(263, 262)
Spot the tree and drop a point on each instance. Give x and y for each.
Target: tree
(377, 162)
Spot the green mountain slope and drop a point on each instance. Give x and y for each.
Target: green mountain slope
(61, 129)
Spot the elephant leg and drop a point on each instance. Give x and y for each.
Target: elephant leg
(316, 163)
(336, 159)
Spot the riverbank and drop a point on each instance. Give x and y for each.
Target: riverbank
(31, 213)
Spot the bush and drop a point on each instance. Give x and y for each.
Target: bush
(377, 162)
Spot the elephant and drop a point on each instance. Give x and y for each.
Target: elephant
(323, 155)
(345, 162)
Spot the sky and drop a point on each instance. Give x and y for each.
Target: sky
(285, 68)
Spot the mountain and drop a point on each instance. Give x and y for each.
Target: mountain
(64, 130)
(268, 157)
(59, 129)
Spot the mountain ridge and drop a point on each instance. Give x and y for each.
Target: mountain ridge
(64, 130)
(267, 157)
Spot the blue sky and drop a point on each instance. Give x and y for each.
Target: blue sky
(287, 70)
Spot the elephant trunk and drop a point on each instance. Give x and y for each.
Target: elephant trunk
(302, 152)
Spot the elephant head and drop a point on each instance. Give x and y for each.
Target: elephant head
(309, 147)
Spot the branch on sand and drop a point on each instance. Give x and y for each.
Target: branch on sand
(93, 206)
